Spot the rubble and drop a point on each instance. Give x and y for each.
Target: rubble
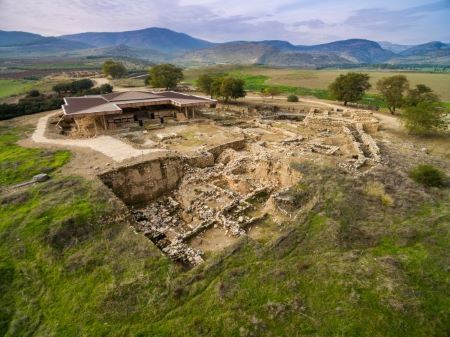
(235, 185)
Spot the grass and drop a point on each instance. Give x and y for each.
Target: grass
(18, 164)
(71, 266)
(315, 82)
(129, 82)
(14, 87)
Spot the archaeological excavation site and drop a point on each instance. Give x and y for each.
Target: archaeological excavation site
(223, 176)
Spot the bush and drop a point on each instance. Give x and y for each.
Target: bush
(292, 98)
(114, 69)
(30, 105)
(428, 175)
(34, 93)
(73, 87)
(424, 118)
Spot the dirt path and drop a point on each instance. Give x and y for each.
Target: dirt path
(109, 146)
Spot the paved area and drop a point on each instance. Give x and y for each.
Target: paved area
(109, 146)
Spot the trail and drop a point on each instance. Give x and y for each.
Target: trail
(109, 146)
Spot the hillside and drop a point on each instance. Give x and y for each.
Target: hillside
(280, 53)
(11, 38)
(25, 45)
(163, 40)
(164, 45)
(355, 259)
(393, 47)
(432, 53)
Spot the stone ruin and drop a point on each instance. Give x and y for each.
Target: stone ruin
(231, 187)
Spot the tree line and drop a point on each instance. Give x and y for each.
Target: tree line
(35, 101)
(423, 112)
(168, 76)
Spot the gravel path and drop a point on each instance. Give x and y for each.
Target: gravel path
(109, 146)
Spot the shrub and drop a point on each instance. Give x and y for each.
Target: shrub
(428, 175)
(424, 118)
(73, 87)
(292, 98)
(34, 93)
(114, 69)
(376, 189)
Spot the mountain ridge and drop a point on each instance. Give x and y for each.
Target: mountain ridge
(162, 44)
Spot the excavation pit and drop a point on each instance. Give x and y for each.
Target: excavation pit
(191, 204)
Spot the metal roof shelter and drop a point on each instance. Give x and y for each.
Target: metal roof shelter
(113, 103)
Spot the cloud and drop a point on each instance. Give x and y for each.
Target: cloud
(393, 20)
(313, 24)
(299, 21)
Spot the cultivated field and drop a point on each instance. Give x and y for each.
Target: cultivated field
(14, 87)
(320, 79)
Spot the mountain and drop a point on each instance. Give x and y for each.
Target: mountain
(124, 51)
(159, 39)
(432, 53)
(21, 44)
(393, 47)
(164, 45)
(281, 53)
(231, 52)
(354, 50)
(11, 38)
(436, 48)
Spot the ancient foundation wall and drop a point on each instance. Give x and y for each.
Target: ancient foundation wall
(140, 183)
(238, 144)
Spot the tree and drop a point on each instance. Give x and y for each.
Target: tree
(34, 93)
(204, 84)
(230, 87)
(350, 87)
(421, 93)
(271, 91)
(165, 76)
(114, 69)
(424, 118)
(80, 85)
(73, 87)
(215, 87)
(106, 88)
(392, 89)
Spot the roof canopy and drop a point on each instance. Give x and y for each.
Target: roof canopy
(114, 102)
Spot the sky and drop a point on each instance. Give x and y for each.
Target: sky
(297, 21)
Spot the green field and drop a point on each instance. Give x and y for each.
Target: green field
(315, 82)
(14, 87)
(70, 265)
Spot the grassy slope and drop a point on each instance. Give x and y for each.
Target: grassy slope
(18, 164)
(70, 266)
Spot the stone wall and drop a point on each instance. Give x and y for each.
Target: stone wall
(200, 159)
(140, 183)
(238, 144)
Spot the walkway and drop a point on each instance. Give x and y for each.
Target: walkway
(109, 146)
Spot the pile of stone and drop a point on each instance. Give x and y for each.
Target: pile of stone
(178, 251)
(324, 148)
(159, 216)
(360, 156)
(370, 143)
